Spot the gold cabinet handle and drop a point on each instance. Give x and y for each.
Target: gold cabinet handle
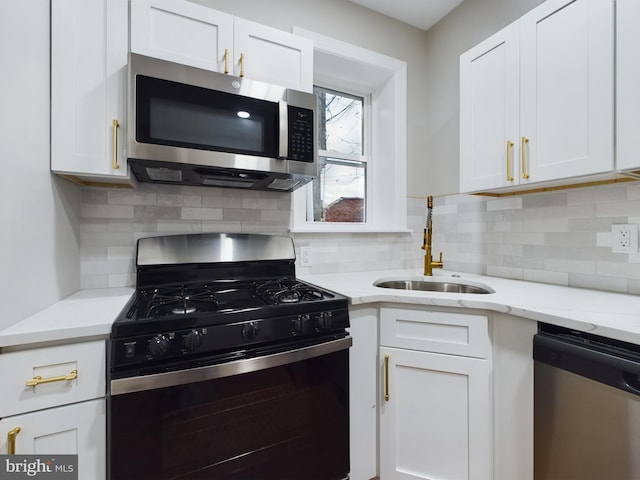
(242, 64)
(523, 153)
(114, 160)
(386, 378)
(226, 60)
(11, 440)
(38, 380)
(509, 161)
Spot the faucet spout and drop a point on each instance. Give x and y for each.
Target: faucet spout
(429, 263)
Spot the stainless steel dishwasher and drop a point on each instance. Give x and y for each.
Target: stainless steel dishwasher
(587, 406)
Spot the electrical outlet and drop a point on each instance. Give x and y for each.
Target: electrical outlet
(624, 238)
(305, 256)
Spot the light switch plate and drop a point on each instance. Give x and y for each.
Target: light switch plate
(624, 238)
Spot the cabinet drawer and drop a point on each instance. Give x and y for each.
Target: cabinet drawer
(78, 429)
(52, 364)
(436, 331)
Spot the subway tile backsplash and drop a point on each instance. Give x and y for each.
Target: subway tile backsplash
(560, 237)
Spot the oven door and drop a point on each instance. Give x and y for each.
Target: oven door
(278, 416)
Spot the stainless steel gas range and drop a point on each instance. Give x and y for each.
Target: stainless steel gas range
(223, 365)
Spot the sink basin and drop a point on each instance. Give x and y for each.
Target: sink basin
(433, 286)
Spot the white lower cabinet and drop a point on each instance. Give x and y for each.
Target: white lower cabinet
(435, 406)
(72, 429)
(53, 403)
(363, 392)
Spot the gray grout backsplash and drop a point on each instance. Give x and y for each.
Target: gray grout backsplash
(560, 237)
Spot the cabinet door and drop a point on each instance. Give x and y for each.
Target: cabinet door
(566, 88)
(273, 56)
(363, 392)
(182, 32)
(73, 429)
(489, 112)
(628, 80)
(88, 77)
(436, 423)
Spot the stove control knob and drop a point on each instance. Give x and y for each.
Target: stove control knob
(251, 331)
(300, 323)
(324, 320)
(193, 340)
(159, 345)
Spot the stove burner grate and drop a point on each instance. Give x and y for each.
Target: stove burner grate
(276, 292)
(182, 300)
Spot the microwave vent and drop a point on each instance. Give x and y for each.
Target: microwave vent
(161, 174)
(284, 184)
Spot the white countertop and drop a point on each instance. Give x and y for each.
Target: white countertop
(608, 314)
(90, 313)
(87, 313)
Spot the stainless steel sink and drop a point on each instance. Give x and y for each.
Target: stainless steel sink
(433, 286)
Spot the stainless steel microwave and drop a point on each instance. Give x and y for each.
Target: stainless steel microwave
(196, 127)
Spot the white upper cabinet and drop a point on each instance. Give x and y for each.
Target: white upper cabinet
(191, 34)
(543, 88)
(89, 44)
(628, 82)
(182, 32)
(272, 56)
(489, 112)
(567, 88)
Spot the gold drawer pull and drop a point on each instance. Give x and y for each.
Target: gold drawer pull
(509, 161)
(11, 440)
(114, 137)
(226, 60)
(386, 377)
(242, 64)
(38, 380)
(525, 156)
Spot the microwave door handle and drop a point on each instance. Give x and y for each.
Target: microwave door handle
(283, 140)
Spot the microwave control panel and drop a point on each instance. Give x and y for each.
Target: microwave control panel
(301, 134)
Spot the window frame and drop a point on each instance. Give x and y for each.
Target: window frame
(354, 70)
(365, 157)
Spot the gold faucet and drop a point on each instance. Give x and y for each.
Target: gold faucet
(429, 263)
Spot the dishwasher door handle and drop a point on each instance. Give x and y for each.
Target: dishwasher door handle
(588, 361)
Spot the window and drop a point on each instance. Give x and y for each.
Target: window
(361, 184)
(339, 192)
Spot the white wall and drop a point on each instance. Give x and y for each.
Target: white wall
(39, 243)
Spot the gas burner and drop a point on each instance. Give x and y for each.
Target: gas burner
(184, 310)
(276, 292)
(182, 300)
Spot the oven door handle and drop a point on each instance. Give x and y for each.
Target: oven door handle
(210, 372)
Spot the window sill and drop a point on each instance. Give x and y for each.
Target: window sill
(343, 228)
